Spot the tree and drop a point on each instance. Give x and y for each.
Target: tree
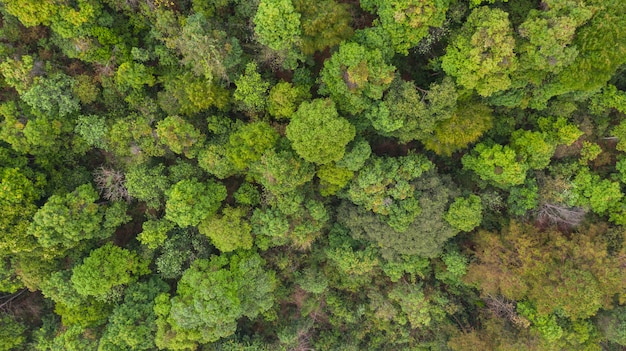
(355, 76)
(575, 276)
(324, 24)
(496, 164)
(284, 98)
(408, 21)
(106, 268)
(230, 231)
(132, 324)
(11, 333)
(482, 55)
(386, 186)
(281, 172)
(134, 76)
(154, 232)
(147, 184)
(248, 142)
(333, 178)
(65, 220)
(251, 91)
(407, 115)
(426, 232)
(180, 136)
(534, 147)
(212, 295)
(317, 132)
(208, 51)
(466, 125)
(465, 213)
(277, 25)
(52, 96)
(190, 201)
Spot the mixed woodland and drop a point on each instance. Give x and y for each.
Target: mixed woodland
(255, 175)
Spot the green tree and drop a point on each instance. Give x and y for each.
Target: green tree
(154, 232)
(333, 178)
(180, 136)
(248, 142)
(251, 92)
(426, 232)
(496, 164)
(132, 324)
(106, 268)
(212, 295)
(317, 132)
(11, 333)
(284, 98)
(190, 201)
(52, 96)
(134, 76)
(408, 21)
(147, 184)
(386, 186)
(355, 76)
(465, 213)
(407, 115)
(482, 55)
(65, 220)
(466, 125)
(324, 24)
(207, 50)
(230, 231)
(277, 25)
(534, 147)
(281, 172)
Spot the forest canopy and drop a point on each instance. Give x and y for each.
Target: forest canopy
(401, 175)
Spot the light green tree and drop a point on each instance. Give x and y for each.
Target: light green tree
(317, 132)
(355, 76)
(482, 55)
(465, 213)
(230, 231)
(496, 164)
(190, 201)
(106, 268)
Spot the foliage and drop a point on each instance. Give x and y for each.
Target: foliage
(465, 126)
(482, 56)
(228, 232)
(248, 143)
(284, 98)
(408, 21)
(190, 201)
(277, 24)
(465, 213)
(293, 175)
(212, 297)
(179, 136)
(66, 220)
(317, 132)
(385, 186)
(324, 24)
(132, 324)
(107, 267)
(496, 164)
(355, 76)
(575, 276)
(11, 333)
(251, 92)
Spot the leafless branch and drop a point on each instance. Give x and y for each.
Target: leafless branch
(559, 214)
(111, 184)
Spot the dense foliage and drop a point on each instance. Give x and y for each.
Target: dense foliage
(220, 175)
